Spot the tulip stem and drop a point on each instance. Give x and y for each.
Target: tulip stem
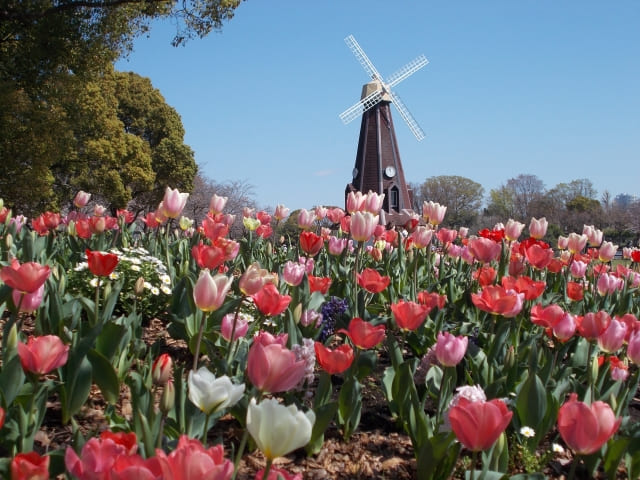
(97, 299)
(198, 341)
(574, 466)
(474, 460)
(267, 469)
(206, 429)
(243, 443)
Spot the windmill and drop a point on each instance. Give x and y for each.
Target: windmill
(378, 167)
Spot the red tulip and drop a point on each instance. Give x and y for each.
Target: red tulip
(41, 355)
(30, 466)
(207, 256)
(477, 425)
(409, 315)
(586, 428)
(310, 243)
(319, 284)
(134, 467)
(532, 289)
(28, 277)
(498, 301)
(271, 367)
(96, 459)
(432, 300)
(270, 302)
(3, 415)
(372, 281)
(575, 291)
(485, 275)
(334, 361)
(100, 263)
(363, 334)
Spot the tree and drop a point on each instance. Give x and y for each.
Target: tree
(462, 196)
(53, 52)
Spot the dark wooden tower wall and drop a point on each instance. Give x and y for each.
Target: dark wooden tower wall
(377, 153)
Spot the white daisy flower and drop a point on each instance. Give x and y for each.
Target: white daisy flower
(557, 448)
(147, 285)
(114, 275)
(166, 290)
(166, 279)
(135, 268)
(527, 432)
(94, 282)
(155, 290)
(81, 266)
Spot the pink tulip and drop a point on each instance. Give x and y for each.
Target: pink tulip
(27, 277)
(173, 202)
(538, 257)
(217, 204)
(337, 245)
(578, 268)
(446, 235)
(81, 199)
(576, 243)
(433, 212)
(226, 328)
(192, 461)
(484, 249)
(633, 348)
(607, 251)
(254, 278)
(563, 242)
(96, 459)
(477, 425)
(538, 228)
(594, 236)
(270, 302)
(373, 202)
(281, 212)
(320, 212)
(421, 236)
(41, 355)
(450, 349)
(293, 273)
(273, 368)
(335, 214)
(497, 300)
(609, 283)
(612, 338)
(162, 369)
(362, 225)
(306, 219)
(134, 467)
(586, 428)
(210, 292)
(593, 324)
(29, 302)
(513, 230)
(355, 202)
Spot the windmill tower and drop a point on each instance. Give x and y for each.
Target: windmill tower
(378, 167)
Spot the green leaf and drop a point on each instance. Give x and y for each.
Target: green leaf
(350, 406)
(110, 339)
(324, 415)
(76, 388)
(531, 403)
(104, 376)
(11, 380)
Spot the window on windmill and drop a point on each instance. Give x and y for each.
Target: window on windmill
(394, 198)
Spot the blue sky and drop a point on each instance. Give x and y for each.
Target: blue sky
(546, 88)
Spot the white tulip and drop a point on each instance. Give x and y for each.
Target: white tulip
(213, 394)
(277, 429)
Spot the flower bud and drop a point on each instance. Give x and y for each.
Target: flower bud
(138, 288)
(269, 248)
(168, 398)
(510, 358)
(162, 369)
(297, 313)
(12, 338)
(9, 240)
(71, 229)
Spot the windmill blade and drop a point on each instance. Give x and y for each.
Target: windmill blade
(362, 58)
(404, 113)
(362, 106)
(406, 71)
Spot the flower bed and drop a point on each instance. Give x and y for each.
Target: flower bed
(490, 354)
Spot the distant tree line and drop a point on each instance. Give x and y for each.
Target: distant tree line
(566, 206)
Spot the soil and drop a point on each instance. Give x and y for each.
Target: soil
(377, 450)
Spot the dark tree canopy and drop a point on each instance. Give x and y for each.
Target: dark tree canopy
(67, 121)
(462, 196)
